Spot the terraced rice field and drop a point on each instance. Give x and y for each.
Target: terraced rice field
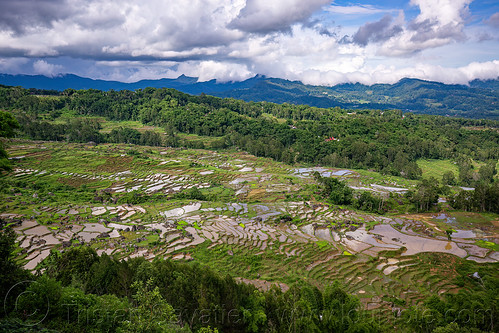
(246, 226)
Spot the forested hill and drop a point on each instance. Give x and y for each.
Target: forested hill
(387, 141)
(478, 100)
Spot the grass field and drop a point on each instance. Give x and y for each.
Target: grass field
(109, 125)
(436, 168)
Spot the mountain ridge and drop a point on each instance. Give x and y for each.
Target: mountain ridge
(478, 99)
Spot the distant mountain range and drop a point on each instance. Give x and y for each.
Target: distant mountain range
(479, 99)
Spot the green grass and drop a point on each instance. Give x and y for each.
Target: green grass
(322, 244)
(109, 125)
(370, 225)
(474, 220)
(208, 141)
(373, 177)
(181, 225)
(488, 245)
(436, 168)
(271, 117)
(219, 192)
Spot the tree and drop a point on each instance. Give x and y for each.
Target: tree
(84, 130)
(152, 312)
(426, 195)
(370, 203)
(193, 194)
(125, 135)
(484, 198)
(448, 178)
(335, 191)
(10, 272)
(73, 265)
(8, 125)
(208, 330)
(150, 138)
(341, 312)
(487, 172)
(254, 313)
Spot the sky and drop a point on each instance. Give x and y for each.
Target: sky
(320, 42)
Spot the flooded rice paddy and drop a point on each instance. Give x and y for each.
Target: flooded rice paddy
(250, 225)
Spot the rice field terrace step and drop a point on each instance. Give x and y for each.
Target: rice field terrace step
(350, 271)
(432, 279)
(346, 266)
(357, 280)
(378, 287)
(317, 271)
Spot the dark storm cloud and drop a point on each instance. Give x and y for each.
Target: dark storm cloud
(18, 15)
(264, 16)
(12, 52)
(376, 31)
(125, 29)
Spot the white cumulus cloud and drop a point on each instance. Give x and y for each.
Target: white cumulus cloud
(439, 23)
(44, 68)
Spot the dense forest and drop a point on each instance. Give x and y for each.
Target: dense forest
(387, 141)
(81, 291)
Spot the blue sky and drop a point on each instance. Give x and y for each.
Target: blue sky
(315, 41)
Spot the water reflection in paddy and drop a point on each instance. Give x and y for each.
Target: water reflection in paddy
(361, 235)
(463, 234)
(453, 221)
(415, 244)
